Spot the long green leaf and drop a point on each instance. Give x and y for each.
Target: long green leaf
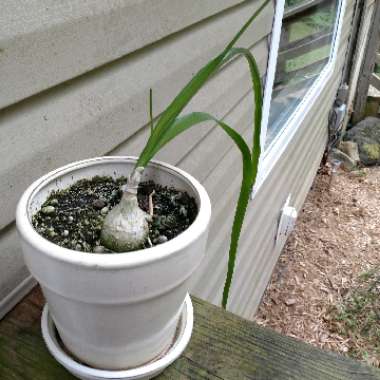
(171, 125)
(258, 96)
(188, 92)
(241, 209)
(185, 122)
(247, 185)
(249, 172)
(174, 109)
(245, 26)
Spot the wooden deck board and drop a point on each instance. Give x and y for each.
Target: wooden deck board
(223, 346)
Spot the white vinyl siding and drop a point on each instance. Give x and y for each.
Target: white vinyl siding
(56, 119)
(97, 105)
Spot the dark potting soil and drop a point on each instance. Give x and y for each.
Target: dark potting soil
(73, 217)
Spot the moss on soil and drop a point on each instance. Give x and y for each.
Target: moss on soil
(357, 317)
(372, 150)
(73, 217)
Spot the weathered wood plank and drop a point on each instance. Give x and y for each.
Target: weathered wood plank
(367, 65)
(357, 10)
(360, 33)
(223, 346)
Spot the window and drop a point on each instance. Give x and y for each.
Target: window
(313, 27)
(305, 47)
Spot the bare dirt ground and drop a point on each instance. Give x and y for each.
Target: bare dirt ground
(336, 240)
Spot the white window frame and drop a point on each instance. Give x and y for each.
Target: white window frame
(272, 154)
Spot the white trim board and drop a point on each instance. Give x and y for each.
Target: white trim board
(273, 153)
(270, 76)
(272, 63)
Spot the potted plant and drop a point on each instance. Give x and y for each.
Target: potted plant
(116, 309)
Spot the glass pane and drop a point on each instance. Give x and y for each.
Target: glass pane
(305, 48)
(293, 3)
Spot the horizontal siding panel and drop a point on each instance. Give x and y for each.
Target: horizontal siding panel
(43, 43)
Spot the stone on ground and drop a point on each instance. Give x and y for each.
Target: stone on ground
(346, 162)
(367, 135)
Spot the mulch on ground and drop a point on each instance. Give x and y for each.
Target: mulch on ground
(336, 240)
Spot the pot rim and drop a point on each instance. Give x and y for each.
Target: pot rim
(111, 261)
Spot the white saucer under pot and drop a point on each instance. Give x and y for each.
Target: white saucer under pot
(147, 371)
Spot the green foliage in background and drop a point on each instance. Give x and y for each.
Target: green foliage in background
(357, 318)
(291, 3)
(319, 19)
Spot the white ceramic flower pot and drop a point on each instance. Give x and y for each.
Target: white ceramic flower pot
(114, 311)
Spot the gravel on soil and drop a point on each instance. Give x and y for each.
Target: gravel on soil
(73, 217)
